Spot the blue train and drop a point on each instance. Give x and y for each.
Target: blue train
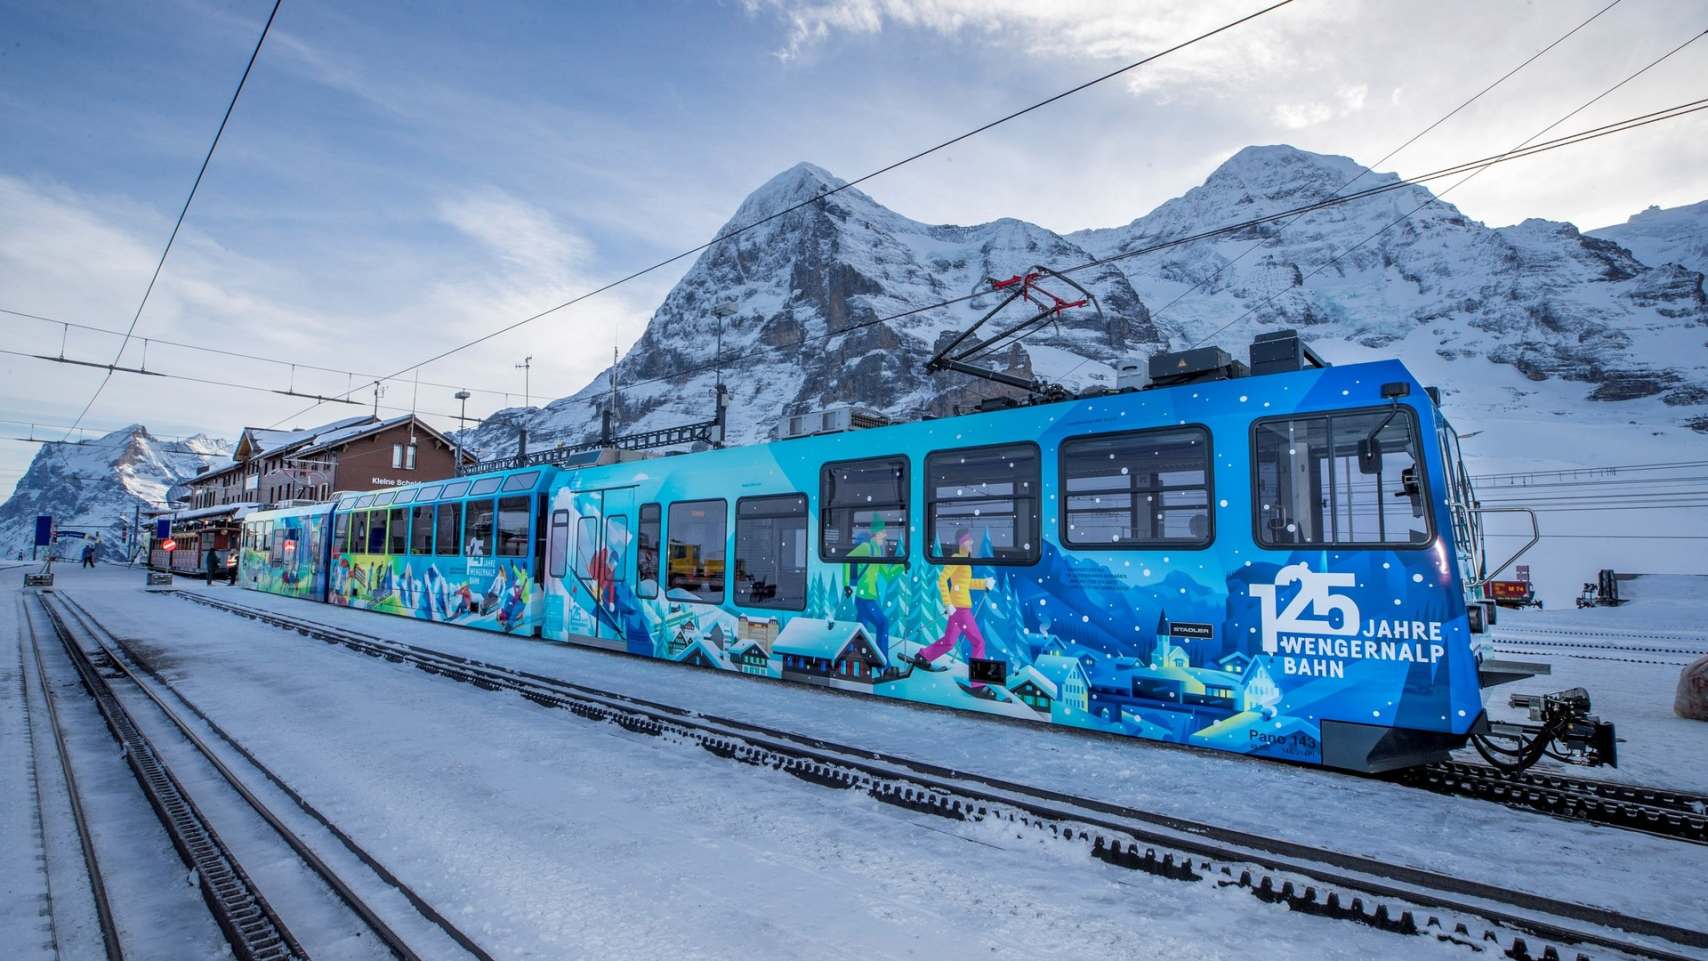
(1283, 565)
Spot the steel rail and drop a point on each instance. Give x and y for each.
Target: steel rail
(967, 795)
(251, 926)
(91, 863)
(420, 904)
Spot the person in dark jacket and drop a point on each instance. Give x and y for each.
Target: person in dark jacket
(88, 555)
(216, 565)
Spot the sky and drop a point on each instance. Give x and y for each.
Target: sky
(400, 178)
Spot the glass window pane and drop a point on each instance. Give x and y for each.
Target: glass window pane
(421, 530)
(522, 481)
(586, 545)
(341, 532)
(376, 532)
(557, 547)
(771, 552)
(646, 560)
(984, 500)
(1138, 489)
(399, 540)
(428, 493)
(447, 539)
(365, 500)
(485, 485)
(696, 558)
(358, 533)
(478, 528)
(405, 496)
(1344, 479)
(385, 498)
(513, 527)
(863, 502)
(456, 489)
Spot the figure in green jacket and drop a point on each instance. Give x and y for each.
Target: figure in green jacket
(866, 582)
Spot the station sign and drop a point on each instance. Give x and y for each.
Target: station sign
(44, 530)
(162, 528)
(1524, 573)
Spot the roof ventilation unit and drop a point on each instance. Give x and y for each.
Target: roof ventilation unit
(1280, 352)
(1172, 368)
(831, 420)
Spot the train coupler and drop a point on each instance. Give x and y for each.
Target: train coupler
(1561, 727)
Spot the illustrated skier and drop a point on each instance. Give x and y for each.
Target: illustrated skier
(955, 586)
(866, 582)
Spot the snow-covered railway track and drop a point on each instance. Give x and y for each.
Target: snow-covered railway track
(343, 902)
(91, 864)
(1318, 881)
(1664, 812)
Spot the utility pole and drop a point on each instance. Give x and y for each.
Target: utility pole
(720, 312)
(378, 390)
(526, 367)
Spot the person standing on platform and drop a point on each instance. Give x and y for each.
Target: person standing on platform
(88, 555)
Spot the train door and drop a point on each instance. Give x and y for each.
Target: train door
(591, 549)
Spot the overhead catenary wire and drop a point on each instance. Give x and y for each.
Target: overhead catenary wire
(365, 378)
(819, 197)
(184, 211)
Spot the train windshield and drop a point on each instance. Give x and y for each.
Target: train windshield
(1349, 479)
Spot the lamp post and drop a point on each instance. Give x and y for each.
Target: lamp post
(462, 422)
(526, 367)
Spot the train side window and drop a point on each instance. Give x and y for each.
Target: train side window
(486, 485)
(358, 533)
(1348, 479)
(455, 489)
(446, 533)
(421, 529)
(399, 542)
(477, 528)
(646, 556)
(861, 503)
(521, 482)
(277, 552)
(989, 494)
(695, 564)
(586, 544)
(557, 547)
(385, 498)
(376, 532)
(513, 527)
(771, 552)
(1137, 489)
(341, 532)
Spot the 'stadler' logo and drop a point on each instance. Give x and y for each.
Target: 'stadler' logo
(1319, 630)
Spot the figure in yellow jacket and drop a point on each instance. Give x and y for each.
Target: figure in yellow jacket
(955, 585)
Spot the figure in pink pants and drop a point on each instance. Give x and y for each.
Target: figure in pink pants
(955, 586)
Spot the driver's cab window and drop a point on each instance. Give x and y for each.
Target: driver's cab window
(1345, 479)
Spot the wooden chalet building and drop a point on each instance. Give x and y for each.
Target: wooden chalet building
(357, 453)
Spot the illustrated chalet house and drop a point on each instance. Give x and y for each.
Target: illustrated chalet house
(751, 657)
(683, 638)
(702, 653)
(1051, 679)
(356, 453)
(834, 653)
(761, 629)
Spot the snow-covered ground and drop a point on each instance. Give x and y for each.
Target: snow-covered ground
(545, 835)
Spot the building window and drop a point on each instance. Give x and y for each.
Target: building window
(557, 546)
(646, 558)
(986, 497)
(409, 457)
(446, 534)
(376, 532)
(478, 529)
(421, 529)
(1343, 479)
(513, 527)
(771, 552)
(1137, 489)
(696, 556)
(863, 502)
(396, 456)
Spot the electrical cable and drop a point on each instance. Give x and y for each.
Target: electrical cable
(735, 232)
(229, 107)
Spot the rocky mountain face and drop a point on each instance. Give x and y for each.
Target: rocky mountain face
(815, 296)
(97, 486)
(1677, 235)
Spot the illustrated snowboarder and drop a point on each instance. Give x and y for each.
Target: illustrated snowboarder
(865, 582)
(955, 586)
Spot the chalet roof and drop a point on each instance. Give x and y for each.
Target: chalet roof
(709, 651)
(739, 647)
(812, 637)
(1030, 673)
(237, 511)
(1059, 668)
(262, 440)
(329, 440)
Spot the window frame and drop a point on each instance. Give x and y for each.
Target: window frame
(498, 525)
(397, 517)
(488, 547)
(1423, 475)
(664, 552)
(453, 509)
(735, 557)
(1062, 492)
(485, 486)
(1033, 556)
(432, 526)
(557, 546)
(657, 548)
(817, 519)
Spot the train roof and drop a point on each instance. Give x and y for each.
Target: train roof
(512, 481)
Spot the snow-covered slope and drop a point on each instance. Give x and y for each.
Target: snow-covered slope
(96, 486)
(1677, 235)
(1591, 326)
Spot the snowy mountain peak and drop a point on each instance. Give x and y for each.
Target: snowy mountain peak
(1657, 236)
